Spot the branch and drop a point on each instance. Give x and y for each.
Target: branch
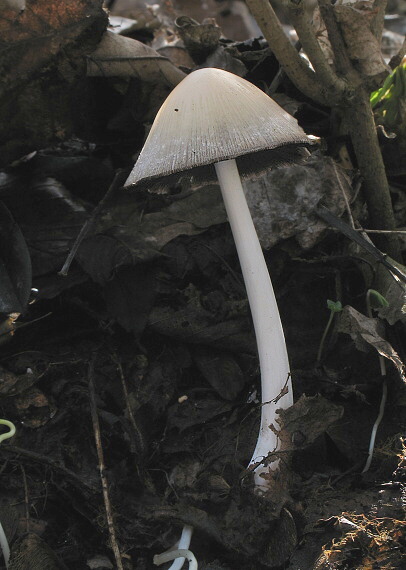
(102, 467)
(397, 59)
(343, 62)
(325, 73)
(296, 69)
(378, 20)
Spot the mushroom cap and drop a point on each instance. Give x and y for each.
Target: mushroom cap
(214, 115)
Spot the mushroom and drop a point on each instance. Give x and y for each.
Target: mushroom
(214, 117)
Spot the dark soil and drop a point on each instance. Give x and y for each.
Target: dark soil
(133, 381)
(176, 444)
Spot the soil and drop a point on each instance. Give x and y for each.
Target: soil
(176, 442)
(133, 380)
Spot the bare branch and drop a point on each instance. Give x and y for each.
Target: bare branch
(343, 62)
(326, 74)
(378, 20)
(296, 69)
(102, 468)
(397, 59)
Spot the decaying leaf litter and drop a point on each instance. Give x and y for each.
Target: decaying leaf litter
(152, 317)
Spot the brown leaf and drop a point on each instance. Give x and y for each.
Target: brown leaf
(322, 36)
(367, 332)
(310, 417)
(221, 370)
(34, 408)
(41, 63)
(44, 29)
(30, 552)
(283, 201)
(194, 324)
(12, 384)
(118, 56)
(363, 47)
(200, 39)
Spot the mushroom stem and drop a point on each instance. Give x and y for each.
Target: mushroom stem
(273, 357)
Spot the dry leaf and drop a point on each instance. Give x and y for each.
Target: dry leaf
(367, 332)
(363, 47)
(396, 297)
(45, 28)
(283, 201)
(41, 62)
(309, 416)
(118, 56)
(322, 36)
(200, 39)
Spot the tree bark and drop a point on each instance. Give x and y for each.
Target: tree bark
(361, 126)
(296, 69)
(343, 87)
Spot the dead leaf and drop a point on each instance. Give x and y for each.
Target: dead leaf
(49, 218)
(34, 408)
(366, 332)
(194, 324)
(30, 552)
(144, 17)
(310, 417)
(126, 235)
(396, 297)
(322, 36)
(283, 201)
(194, 412)
(221, 370)
(364, 49)
(130, 295)
(12, 384)
(200, 39)
(41, 61)
(15, 265)
(36, 35)
(118, 56)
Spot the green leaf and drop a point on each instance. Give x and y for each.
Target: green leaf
(334, 306)
(379, 299)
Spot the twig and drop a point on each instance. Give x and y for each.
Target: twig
(137, 432)
(26, 500)
(397, 58)
(103, 478)
(311, 46)
(400, 232)
(323, 338)
(55, 465)
(296, 69)
(345, 229)
(342, 59)
(377, 23)
(89, 224)
(347, 204)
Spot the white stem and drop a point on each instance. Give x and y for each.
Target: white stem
(179, 553)
(272, 352)
(183, 544)
(4, 545)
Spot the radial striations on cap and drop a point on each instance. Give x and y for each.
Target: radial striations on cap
(212, 115)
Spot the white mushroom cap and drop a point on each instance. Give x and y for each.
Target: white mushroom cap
(213, 115)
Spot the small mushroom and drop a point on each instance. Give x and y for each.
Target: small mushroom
(216, 118)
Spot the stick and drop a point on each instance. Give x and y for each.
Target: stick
(89, 224)
(103, 478)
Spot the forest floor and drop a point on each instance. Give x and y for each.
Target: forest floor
(140, 364)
